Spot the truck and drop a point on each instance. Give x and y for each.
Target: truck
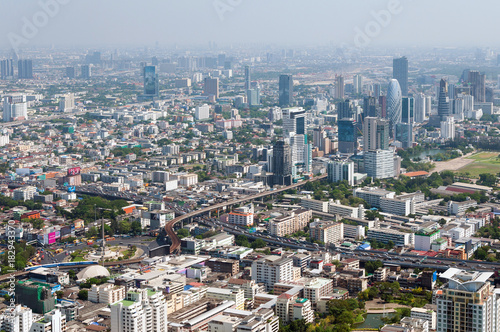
(90, 242)
(58, 251)
(111, 238)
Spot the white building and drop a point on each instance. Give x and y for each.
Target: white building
(241, 216)
(379, 164)
(202, 112)
(24, 193)
(386, 235)
(314, 204)
(19, 319)
(326, 232)
(425, 314)
(334, 207)
(448, 128)
(53, 321)
(459, 208)
(425, 237)
(272, 269)
(340, 171)
(106, 293)
(143, 310)
(15, 108)
(67, 103)
(237, 295)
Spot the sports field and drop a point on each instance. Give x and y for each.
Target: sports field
(484, 162)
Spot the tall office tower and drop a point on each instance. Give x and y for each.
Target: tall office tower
(339, 87)
(344, 110)
(404, 134)
(382, 103)
(86, 72)
(7, 69)
(400, 72)
(15, 108)
(93, 58)
(155, 61)
(347, 136)
(443, 101)
(468, 103)
(70, 72)
(286, 90)
(489, 95)
(142, 310)
(294, 121)
(394, 104)
(247, 78)
(358, 84)
(407, 110)
(419, 108)
(370, 107)
(25, 69)
(151, 83)
(340, 171)
(379, 164)
(375, 134)
(478, 82)
(300, 152)
(282, 163)
(469, 302)
(448, 128)
(211, 87)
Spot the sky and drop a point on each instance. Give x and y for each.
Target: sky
(365, 23)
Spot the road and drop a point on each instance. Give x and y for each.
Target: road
(169, 227)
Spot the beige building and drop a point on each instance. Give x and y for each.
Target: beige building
(290, 223)
(326, 232)
(106, 293)
(237, 295)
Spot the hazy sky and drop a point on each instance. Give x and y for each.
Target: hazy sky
(278, 22)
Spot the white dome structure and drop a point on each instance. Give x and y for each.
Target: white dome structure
(93, 271)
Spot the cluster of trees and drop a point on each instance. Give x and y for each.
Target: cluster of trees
(23, 253)
(91, 207)
(341, 191)
(242, 240)
(491, 231)
(120, 152)
(372, 266)
(381, 245)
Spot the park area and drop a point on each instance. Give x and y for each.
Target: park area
(482, 162)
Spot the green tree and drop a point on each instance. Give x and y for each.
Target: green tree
(182, 233)
(83, 294)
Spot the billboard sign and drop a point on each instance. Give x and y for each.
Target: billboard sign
(52, 237)
(74, 171)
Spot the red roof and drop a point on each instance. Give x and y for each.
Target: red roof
(417, 173)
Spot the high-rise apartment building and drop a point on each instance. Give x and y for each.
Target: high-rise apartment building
(286, 90)
(247, 78)
(443, 100)
(420, 108)
(358, 84)
(339, 87)
(53, 321)
(478, 83)
(142, 310)
(375, 134)
(407, 110)
(25, 69)
(70, 72)
(379, 164)
(272, 269)
(348, 138)
(344, 110)
(7, 69)
(86, 72)
(282, 163)
(468, 303)
(340, 171)
(400, 72)
(326, 232)
(448, 128)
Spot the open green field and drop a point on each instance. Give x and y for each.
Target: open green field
(484, 162)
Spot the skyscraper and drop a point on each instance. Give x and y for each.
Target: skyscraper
(404, 134)
(286, 90)
(376, 90)
(448, 128)
(70, 72)
(375, 134)
(478, 82)
(339, 87)
(347, 136)
(394, 104)
(344, 110)
(247, 78)
(468, 303)
(25, 69)
(419, 108)
(282, 164)
(407, 110)
(151, 84)
(379, 164)
(400, 72)
(294, 121)
(358, 84)
(443, 101)
(370, 107)
(340, 171)
(211, 87)
(86, 72)
(7, 69)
